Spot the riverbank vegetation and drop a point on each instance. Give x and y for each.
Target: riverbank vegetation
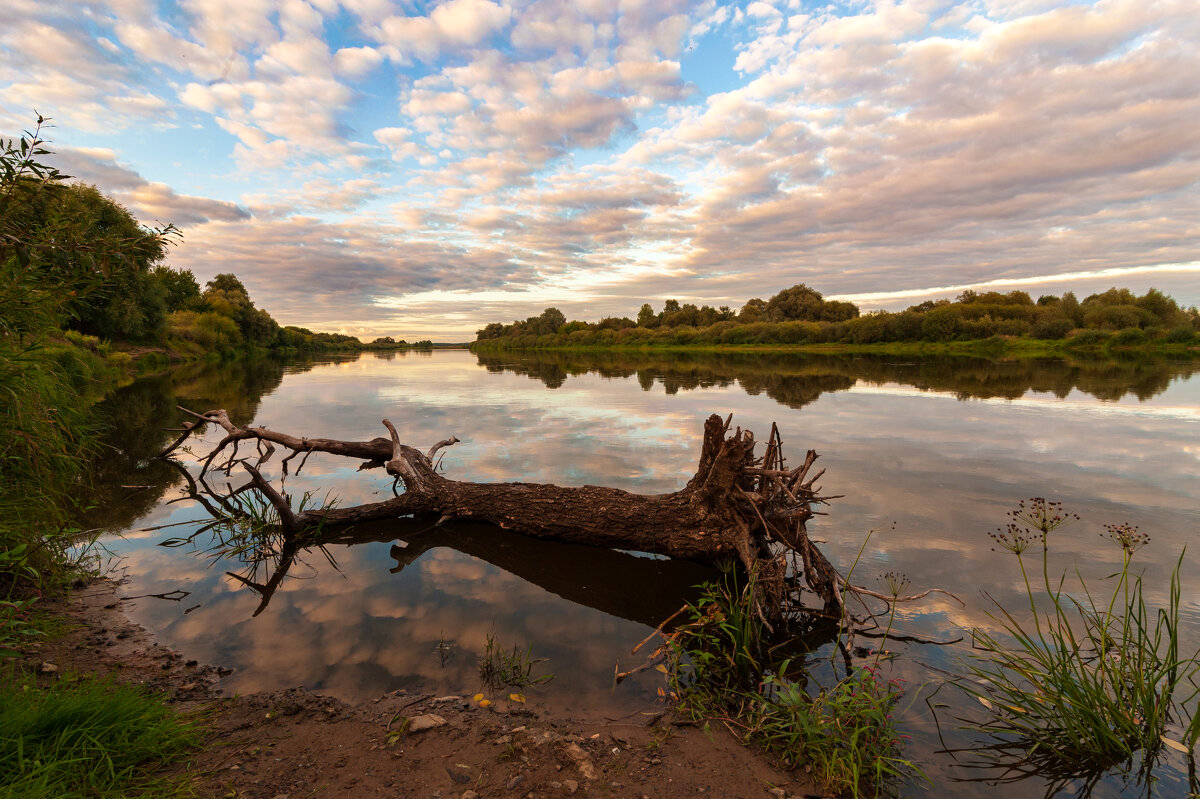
(73, 266)
(799, 316)
(725, 664)
(1093, 680)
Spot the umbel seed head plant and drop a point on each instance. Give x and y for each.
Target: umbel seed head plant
(1094, 682)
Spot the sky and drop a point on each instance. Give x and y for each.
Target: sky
(419, 169)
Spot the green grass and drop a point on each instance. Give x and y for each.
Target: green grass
(503, 669)
(845, 734)
(85, 737)
(1082, 685)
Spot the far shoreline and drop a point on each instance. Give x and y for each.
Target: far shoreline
(986, 348)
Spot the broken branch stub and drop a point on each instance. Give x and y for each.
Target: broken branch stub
(735, 507)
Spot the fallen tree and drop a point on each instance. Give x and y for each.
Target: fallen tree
(737, 506)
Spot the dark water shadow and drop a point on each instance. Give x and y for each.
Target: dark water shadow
(638, 588)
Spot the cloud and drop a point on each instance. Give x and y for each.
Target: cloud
(484, 156)
(450, 26)
(150, 202)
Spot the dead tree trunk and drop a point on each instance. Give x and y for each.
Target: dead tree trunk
(736, 507)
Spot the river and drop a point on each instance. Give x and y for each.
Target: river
(929, 454)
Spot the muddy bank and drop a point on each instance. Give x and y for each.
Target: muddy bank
(293, 743)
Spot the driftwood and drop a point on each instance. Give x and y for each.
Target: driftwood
(737, 507)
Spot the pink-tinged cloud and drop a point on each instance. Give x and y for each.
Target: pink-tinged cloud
(382, 167)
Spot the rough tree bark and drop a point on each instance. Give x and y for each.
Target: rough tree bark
(736, 506)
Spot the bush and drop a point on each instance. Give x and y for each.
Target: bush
(213, 331)
(1129, 337)
(941, 324)
(1052, 329)
(1180, 334)
(1088, 338)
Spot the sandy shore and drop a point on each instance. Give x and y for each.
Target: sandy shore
(293, 743)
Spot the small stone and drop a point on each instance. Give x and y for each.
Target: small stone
(575, 751)
(462, 773)
(779, 792)
(502, 740)
(448, 699)
(48, 668)
(571, 785)
(469, 795)
(515, 781)
(425, 722)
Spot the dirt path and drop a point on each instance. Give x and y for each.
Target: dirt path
(292, 744)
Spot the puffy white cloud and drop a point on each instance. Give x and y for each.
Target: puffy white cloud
(535, 151)
(356, 61)
(450, 26)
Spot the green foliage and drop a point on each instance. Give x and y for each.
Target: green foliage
(1129, 337)
(1052, 328)
(210, 330)
(17, 625)
(845, 733)
(502, 669)
(181, 292)
(46, 438)
(721, 666)
(89, 738)
(800, 316)
(941, 324)
(801, 303)
(67, 254)
(1084, 683)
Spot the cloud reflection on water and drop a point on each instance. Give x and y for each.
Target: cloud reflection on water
(1115, 443)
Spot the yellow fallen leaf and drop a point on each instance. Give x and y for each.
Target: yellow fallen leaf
(661, 667)
(516, 698)
(478, 697)
(484, 702)
(1178, 747)
(984, 702)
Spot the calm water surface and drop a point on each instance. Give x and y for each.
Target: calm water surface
(930, 454)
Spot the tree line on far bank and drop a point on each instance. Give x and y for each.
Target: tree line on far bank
(801, 315)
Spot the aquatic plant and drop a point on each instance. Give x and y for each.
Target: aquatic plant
(1088, 683)
(502, 669)
(721, 667)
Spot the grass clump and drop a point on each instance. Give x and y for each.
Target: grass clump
(91, 738)
(721, 668)
(502, 669)
(1084, 684)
